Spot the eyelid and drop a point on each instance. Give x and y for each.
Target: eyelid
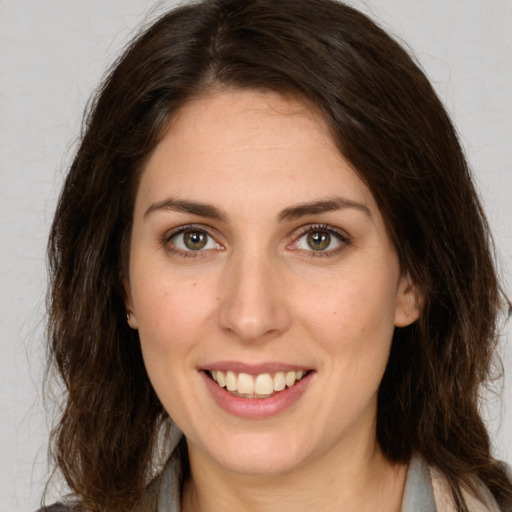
(341, 235)
(210, 232)
(344, 238)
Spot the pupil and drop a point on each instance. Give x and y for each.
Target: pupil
(195, 240)
(318, 241)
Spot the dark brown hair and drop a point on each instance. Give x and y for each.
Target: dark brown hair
(387, 121)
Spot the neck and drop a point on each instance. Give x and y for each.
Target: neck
(357, 480)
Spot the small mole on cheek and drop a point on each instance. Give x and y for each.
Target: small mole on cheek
(194, 284)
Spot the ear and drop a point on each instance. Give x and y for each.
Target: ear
(128, 302)
(409, 302)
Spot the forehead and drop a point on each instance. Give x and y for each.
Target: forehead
(249, 143)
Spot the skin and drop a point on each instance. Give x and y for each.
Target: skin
(257, 292)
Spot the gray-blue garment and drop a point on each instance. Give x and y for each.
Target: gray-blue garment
(418, 494)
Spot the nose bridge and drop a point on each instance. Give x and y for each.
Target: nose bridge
(251, 303)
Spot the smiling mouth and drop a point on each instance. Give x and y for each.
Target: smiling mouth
(263, 385)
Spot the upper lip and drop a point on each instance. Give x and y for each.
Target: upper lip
(254, 369)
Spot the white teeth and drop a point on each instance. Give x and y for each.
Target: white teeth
(231, 381)
(245, 384)
(279, 381)
(290, 379)
(261, 385)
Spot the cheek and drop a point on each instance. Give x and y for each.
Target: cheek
(353, 321)
(349, 306)
(170, 311)
(171, 317)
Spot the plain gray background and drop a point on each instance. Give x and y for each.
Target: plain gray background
(52, 55)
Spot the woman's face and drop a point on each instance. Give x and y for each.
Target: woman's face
(260, 260)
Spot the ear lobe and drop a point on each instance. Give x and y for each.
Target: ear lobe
(132, 320)
(128, 302)
(409, 302)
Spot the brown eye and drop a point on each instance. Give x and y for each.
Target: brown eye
(195, 240)
(191, 239)
(321, 240)
(318, 240)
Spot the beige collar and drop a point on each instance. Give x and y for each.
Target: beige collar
(444, 499)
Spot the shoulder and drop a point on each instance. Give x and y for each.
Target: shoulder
(485, 501)
(58, 507)
(149, 501)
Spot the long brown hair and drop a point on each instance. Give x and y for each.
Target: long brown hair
(387, 121)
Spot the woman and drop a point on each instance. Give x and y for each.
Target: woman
(269, 240)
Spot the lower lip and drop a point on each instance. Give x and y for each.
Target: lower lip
(256, 408)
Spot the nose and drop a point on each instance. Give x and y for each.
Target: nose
(253, 303)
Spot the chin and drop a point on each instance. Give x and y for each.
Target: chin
(259, 455)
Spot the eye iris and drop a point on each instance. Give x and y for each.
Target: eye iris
(319, 240)
(194, 240)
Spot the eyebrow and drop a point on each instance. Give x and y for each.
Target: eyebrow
(322, 206)
(181, 205)
(288, 214)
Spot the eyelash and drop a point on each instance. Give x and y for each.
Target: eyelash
(167, 241)
(341, 236)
